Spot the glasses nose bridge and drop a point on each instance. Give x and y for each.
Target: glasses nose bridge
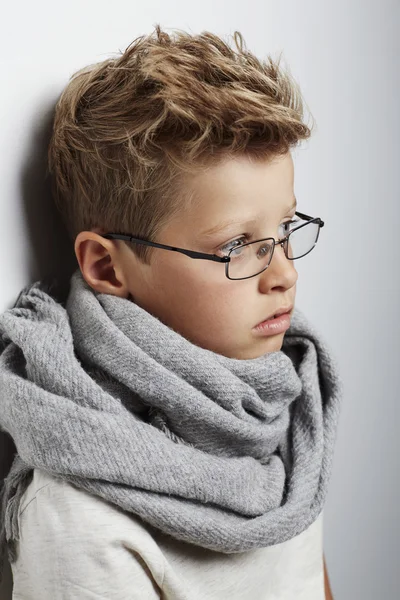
(279, 242)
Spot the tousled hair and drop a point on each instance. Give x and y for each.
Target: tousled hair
(128, 130)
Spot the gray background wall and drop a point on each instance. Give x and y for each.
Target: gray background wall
(345, 57)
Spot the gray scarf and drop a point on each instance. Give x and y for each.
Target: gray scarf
(224, 453)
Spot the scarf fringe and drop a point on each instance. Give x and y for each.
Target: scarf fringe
(12, 490)
(14, 485)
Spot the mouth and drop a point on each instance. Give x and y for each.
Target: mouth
(278, 312)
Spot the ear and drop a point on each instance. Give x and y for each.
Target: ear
(101, 264)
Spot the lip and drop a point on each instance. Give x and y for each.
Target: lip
(273, 326)
(278, 312)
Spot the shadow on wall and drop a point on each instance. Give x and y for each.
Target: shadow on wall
(50, 253)
(7, 451)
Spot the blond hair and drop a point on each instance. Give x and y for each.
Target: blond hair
(127, 129)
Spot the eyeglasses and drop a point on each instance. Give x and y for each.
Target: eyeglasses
(251, 258)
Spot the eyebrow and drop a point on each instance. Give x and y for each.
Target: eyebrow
(235, 223)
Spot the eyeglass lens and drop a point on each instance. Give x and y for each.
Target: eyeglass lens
(251, 259)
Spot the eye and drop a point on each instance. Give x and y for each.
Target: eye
(234, 244)
(247, 237)
(286, 225)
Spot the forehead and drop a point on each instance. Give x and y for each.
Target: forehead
(241, 184)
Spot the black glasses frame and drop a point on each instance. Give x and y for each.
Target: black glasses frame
(224, 259)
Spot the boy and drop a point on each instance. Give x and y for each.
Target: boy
(168, 445)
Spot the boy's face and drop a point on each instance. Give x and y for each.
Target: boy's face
(194, 297)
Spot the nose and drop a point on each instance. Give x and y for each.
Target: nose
(281, 271)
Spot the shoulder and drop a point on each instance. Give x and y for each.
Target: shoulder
(85, 540)
(50, 497)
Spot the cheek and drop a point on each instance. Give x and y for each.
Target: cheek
(217, 302)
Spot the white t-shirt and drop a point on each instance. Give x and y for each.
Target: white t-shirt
(76, 546)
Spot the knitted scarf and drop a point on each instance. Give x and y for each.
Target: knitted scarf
(228, 454)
